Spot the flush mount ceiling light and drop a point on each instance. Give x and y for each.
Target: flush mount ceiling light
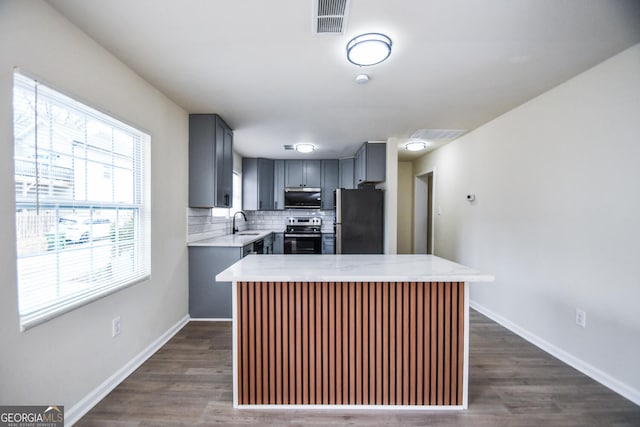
(304, 147)
(415, 145)
(368, 49)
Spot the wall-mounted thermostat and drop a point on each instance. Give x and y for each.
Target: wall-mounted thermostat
(471, 197)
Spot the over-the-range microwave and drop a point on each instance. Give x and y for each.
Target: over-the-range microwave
(302, 198)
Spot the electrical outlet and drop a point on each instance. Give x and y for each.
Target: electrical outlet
(581, 318)
(115, 327)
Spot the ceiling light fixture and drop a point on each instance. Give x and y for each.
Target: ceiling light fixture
(368, 49)
(415, 145)
(305, 147)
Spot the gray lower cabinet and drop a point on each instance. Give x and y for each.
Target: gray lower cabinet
(268, 244)
(208, 298)
(278, 243)
(328, 243)
(330, 177)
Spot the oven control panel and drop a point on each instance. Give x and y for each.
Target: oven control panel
(311, 220)
(304, 225)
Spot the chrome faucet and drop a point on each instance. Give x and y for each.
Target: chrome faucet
(234, 228)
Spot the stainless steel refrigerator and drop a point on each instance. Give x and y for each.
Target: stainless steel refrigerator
(359, 221)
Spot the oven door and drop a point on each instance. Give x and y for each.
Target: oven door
(302, 243)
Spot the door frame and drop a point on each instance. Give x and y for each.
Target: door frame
(424, 192)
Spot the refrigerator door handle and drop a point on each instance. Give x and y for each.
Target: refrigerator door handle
(338, 202)
(338, 239)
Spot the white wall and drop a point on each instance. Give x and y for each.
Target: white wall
(390, 187)
(420, 215)
(61, 361)
(556, 217)
(405, 207)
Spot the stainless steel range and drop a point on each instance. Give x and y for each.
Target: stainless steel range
(303, 235)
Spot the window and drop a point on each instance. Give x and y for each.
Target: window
(236, 203)
(82, 202)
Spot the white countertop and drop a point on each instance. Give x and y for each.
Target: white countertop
(239, 239)
(350, 268)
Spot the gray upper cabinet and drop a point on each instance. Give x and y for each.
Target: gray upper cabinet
(224, 165)
(330, 179)
(210, 162)
(346, 173)
(278, 184)
(302, 173)
(257, 184)
(370, 163)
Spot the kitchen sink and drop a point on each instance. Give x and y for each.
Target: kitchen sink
(248, 234)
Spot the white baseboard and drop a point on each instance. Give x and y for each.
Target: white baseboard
(210, 319)
(78, 410)
(587, 369)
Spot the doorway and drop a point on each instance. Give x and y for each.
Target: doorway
(423, 214)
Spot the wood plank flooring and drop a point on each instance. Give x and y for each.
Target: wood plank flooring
(512, 383)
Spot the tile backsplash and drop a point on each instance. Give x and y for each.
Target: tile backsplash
(201, 225)
(276, 220)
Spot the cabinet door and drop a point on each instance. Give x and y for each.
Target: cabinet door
(249, 184)
(224, 165)
(257, 184)
(265, 184)
(360, 168)
(328, 244)
(329, 183)
(370, 164)
(207, 297)
(210, 162)
(268, 244)
(347, 173)
(278, 243)
(376, 162)
(201, 160)
(294, 173)
(312, 173)
(302, 173)
(278, 184)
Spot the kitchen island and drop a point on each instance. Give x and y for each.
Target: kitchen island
(345, 331)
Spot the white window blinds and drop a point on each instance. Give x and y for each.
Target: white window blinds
(82, 202)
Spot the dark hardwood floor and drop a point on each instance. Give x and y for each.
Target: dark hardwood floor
(512, 383)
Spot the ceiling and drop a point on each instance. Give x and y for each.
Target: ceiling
(456, 64)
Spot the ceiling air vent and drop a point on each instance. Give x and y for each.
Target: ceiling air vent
(288, 147)
(329, 16)
(438, 134)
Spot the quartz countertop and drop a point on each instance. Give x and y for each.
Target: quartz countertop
(350, 268)
(240, 239)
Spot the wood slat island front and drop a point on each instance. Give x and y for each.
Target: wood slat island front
(364, 343)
